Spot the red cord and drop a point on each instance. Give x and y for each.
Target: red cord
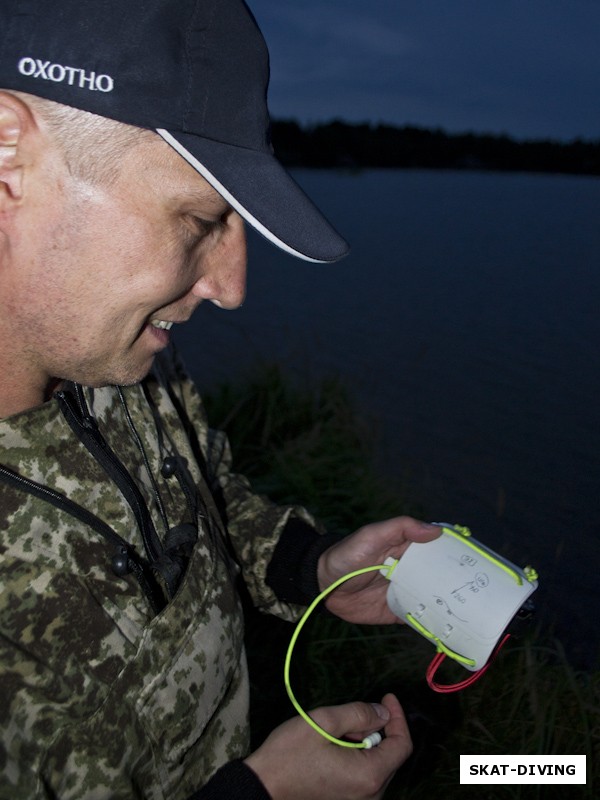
(446, 689)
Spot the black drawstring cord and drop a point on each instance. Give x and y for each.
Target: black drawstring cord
(170, 558)
(136, 436)
(180, 539)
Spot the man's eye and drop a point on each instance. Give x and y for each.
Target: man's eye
(202, 228)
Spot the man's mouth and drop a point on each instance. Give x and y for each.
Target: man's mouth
(161, 324)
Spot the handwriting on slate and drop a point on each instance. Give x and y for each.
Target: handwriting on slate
(471, 587)
(441, 602)
(480, 581)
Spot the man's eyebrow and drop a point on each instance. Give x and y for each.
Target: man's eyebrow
(198, 196)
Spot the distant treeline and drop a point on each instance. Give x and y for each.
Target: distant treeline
(364, 145)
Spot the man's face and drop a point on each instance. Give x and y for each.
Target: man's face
(103, 269)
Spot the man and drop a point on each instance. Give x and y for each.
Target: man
(133, 145)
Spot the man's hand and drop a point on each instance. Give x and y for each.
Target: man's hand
(363, 599)
(297, 763)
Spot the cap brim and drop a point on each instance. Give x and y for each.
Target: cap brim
(257, 186)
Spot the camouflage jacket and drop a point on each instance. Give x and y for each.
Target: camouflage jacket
(102, 696)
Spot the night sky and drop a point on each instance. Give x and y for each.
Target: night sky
(527, 68)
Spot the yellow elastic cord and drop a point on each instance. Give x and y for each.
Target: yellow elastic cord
(442, 648)
(288, 658)
(464, 533)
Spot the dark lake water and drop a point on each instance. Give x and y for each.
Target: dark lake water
(467, 323)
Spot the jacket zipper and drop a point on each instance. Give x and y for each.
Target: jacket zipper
(87, 431)
(134, 563)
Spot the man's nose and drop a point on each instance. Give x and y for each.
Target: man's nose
(223, 278)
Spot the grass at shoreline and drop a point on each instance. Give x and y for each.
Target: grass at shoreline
(305, 444)
(299, 443)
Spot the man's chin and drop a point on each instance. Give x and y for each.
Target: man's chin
(131, 378)
(129, 375)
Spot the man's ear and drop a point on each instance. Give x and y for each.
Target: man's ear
(16, 121)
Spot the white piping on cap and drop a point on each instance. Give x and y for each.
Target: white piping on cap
(216, 184)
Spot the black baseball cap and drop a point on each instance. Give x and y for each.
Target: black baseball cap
(194, 71)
